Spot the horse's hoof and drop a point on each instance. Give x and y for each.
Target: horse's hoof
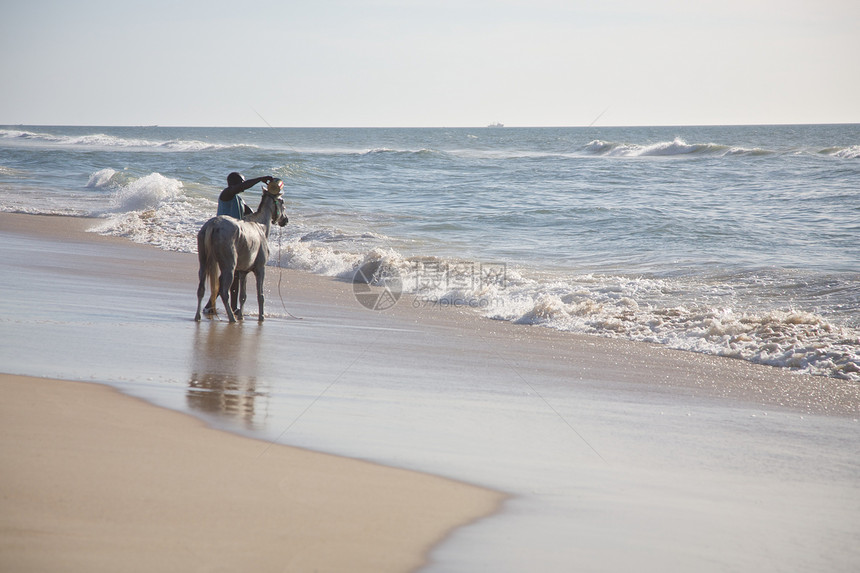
(197, 317)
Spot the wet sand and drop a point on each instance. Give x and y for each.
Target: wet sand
(618, 455)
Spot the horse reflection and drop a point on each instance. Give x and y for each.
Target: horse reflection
(223, 377)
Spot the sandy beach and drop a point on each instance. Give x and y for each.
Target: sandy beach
(610, 454)
(97, 481)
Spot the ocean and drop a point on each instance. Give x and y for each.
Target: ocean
(738, 241)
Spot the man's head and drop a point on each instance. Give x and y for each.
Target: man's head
(235, 179)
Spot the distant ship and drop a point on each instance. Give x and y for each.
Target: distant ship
(496, 124)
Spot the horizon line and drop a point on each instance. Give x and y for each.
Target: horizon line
(491, 127)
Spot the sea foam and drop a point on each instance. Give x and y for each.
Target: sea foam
(101, 178)
(667, 148)
(102, 140)
(851, 152)
(153, 210)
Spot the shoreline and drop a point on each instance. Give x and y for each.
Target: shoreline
(98, 481)
(711, 376)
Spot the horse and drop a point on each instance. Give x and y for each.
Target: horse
(237, 248)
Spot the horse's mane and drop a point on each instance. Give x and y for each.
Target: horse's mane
(257, 216)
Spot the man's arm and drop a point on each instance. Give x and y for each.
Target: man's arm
(230, 192)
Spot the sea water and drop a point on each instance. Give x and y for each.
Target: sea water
(736, 241)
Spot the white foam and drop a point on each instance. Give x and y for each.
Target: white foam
(101, 140)
(852, 152)
(154, 210)
(314, 258)
(101, 178)
(634, 309)
(667, 148)
(147, 192)
(11, 172)
(799, 340)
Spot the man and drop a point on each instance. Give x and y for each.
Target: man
(230, 203)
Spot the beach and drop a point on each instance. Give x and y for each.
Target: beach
(579, 451)
(95, 481)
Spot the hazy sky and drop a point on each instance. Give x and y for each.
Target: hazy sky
(429, 62)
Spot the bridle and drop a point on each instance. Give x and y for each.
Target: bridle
(279, 209)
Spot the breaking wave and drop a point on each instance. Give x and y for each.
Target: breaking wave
(101, 140)
(850, 152)
(154, 210)
(802, 341)
(668, 148)
(386, 150)
(101, 179)
(679, 147)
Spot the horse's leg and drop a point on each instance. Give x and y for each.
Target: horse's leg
(213, 295)
(260, 273)
(234, 291)
(201, 288)
(241, 278)
(226, 283)
(215, 288)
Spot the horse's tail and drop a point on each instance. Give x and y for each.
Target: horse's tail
(206, 257)
(212, 263)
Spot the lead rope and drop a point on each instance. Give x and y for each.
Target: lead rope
(281, 275)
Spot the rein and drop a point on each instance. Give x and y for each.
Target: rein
(276, 215)
(281, 276)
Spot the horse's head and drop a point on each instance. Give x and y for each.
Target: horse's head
(279, 213)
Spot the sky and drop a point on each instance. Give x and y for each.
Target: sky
(429, 63)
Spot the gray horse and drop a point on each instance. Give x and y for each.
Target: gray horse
(237, 248)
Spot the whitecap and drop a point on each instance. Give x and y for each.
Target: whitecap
(101, 178)
(147, 192)
(102, 140)
(851, 152)
(668, 148)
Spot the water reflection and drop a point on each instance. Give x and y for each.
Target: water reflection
(223, 378)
